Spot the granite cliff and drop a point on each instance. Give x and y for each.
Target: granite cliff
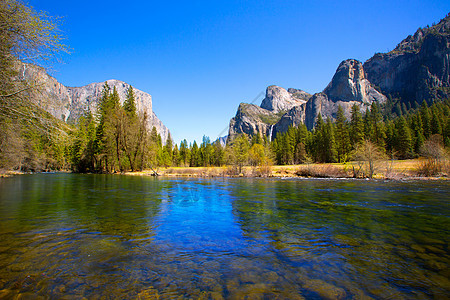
(417, 69)
(251, 119)
(69, 103)
(283, 108)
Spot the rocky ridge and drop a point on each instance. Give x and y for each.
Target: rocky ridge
(278, 99)
(70, 103)
(251, 119)
(417, 69)
(279, 109)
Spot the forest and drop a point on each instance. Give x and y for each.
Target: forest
(116, 139)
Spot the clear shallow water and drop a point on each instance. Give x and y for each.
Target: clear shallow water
(74, 236)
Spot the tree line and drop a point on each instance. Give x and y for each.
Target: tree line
(399, 137)
(116, 139)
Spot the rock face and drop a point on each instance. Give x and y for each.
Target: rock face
(283, 108)
(70, 103)
(252, 119)
(349, 84)
(293, 117)
(347, 88)
(418, 68)
(278, 99)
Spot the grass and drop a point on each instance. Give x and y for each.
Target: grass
(396, 170)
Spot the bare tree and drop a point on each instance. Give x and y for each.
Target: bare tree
(433, 149)
(367, 154)
(26, 36)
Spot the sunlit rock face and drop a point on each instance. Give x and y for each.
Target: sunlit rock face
(70, 103)
(279, 99)
(349, 84)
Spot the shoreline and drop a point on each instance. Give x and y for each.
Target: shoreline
(398, 170)
(388, 170)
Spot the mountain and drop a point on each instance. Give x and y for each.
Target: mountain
(282, 108)
(278, 99)
(251, 119)
(70, 103)
(417, 69)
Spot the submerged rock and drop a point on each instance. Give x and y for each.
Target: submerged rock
(325, 289)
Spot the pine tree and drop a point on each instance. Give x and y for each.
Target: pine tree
(206, 151)
(175, 156)
(379, 134)
(342, 136)
(368, 126)
(426, 119)
(435, 122)
(195, 155)
(403, 138)
(129, 105)
(239, 150)
(154, 147)
(218, 154)
(356, 126)
(330, 142)
(184, 153)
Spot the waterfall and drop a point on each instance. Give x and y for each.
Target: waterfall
(270, 133)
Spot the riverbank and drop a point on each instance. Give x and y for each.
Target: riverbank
(392, 169)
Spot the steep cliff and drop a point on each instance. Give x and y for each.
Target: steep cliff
(278, 99)
(418, 68)
(283, 108)
(252, 119)
(69, 103)
(348, 87)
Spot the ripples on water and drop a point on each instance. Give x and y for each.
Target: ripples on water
(75, 236)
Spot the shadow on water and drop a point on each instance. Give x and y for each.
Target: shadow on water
(67, 235)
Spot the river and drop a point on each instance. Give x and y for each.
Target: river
(123, 237)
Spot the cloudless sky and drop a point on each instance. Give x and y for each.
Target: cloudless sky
(200, 59)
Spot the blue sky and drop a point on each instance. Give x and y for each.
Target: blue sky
(200, 59)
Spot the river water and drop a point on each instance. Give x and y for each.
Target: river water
(123, 237)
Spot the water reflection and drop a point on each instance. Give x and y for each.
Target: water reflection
(75, 236)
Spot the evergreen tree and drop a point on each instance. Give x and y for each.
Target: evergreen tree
(154, 148)
(356, 126)
(342, 136)
(390, 138)
(129, 105)
(378, 133)
(301, 140)
(218, 154)
(330, 142)
(435, 122)
(426, 119)
(195, 155)
(169, 148)
(184, 153)
(403, 138)
(175, 156)
(239, 150)
(368, 126)
(206, 151)
(324, 144)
